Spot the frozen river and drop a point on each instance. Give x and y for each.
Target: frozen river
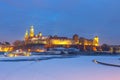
(77, 68)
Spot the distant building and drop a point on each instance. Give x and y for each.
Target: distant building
(76, 39)
(5, 47)
(31, 38)
(59, 41)
(52, 41)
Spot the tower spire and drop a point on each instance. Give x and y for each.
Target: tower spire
(26, 35)
(96, 41)
(32, 31)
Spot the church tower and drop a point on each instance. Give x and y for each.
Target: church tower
(31, 31)
(40, 34)
(96, 41)
(26, 35)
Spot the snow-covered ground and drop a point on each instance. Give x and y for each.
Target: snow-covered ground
(76, 68)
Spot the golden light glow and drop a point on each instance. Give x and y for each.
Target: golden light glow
(31, 31)
(96, 41)
(94, 49)
(29, 50)
(40, 50)
(40, 34)
(6, 48)
(61, 42)
(11, 55)
(26, 35)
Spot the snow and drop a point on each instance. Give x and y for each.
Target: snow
(74, 68)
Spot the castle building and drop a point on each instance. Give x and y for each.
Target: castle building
(31, 38)
(60, 41)
(76, 39)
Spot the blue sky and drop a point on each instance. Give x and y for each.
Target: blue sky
(61, 17)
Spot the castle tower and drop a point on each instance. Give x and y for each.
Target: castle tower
(40, 34)
(26, 35)
(96, 41)
(31, 31)
(76, 38)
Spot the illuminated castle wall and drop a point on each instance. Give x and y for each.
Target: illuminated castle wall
(63, 41)
(31, 38)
